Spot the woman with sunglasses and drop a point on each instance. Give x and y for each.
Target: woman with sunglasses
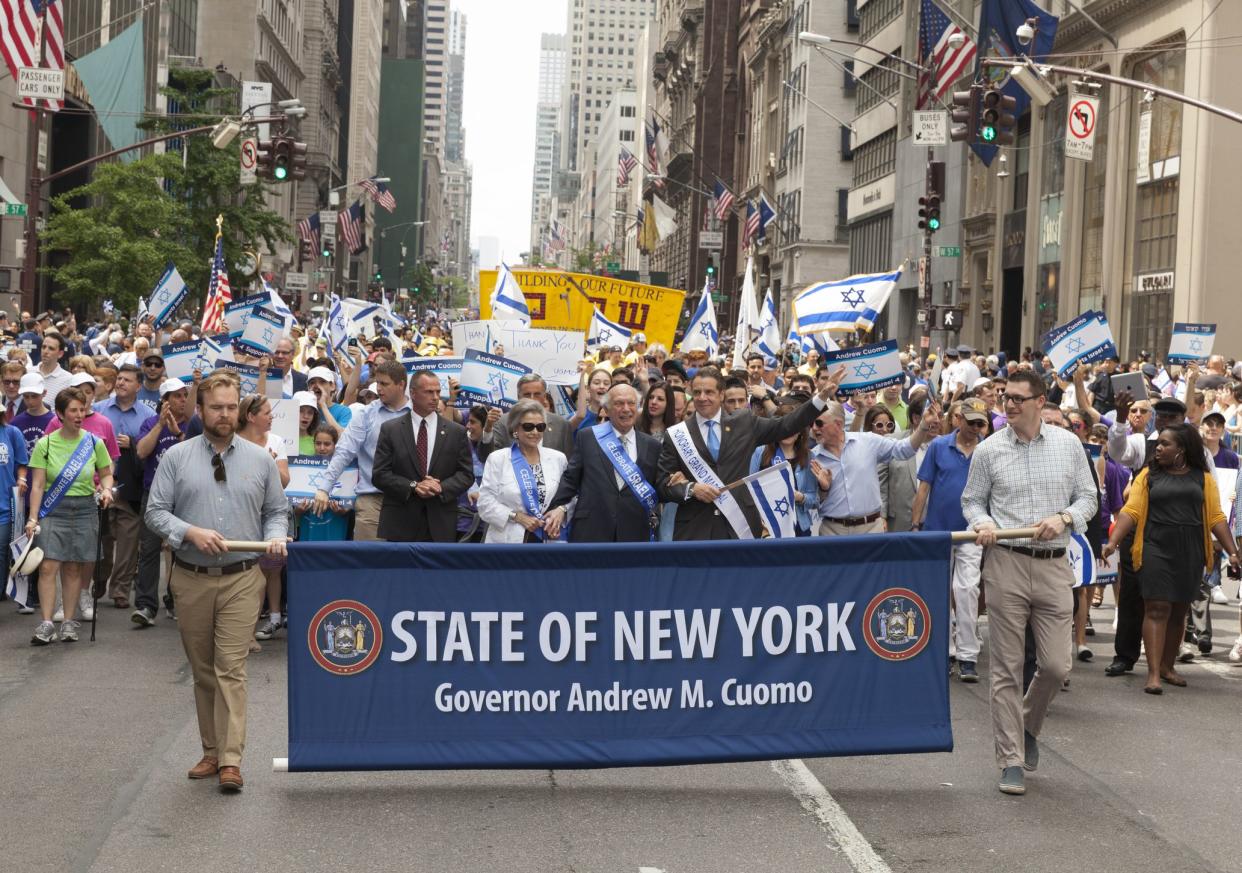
(879, 421)
(518, 484)
(254, 423)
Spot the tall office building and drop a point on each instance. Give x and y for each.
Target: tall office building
(552, 59)
(455, 88)
(435, 56)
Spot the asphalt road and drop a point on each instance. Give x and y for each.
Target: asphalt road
(96, 739)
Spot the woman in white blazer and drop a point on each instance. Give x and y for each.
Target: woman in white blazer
(519, 482)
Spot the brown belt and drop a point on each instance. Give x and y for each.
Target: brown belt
(1042, 554)
(855, 522)
(226, 570)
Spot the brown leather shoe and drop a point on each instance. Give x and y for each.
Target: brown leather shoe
(204, 768)
(230, 779)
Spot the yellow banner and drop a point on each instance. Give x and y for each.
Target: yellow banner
(555, 303)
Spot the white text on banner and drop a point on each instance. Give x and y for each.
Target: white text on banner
(867, 368)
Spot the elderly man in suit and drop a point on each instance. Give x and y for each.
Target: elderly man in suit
(422, 465)
(712, 449)
(559, 435)
(611, 474)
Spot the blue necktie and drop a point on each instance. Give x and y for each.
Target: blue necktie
(713, 441)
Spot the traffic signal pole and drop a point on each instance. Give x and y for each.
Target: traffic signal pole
(925, 290)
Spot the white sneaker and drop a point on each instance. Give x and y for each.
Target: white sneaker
(1186, 653)
(86, 608)
(1235, 654)
(58, 615)
(1218, 595)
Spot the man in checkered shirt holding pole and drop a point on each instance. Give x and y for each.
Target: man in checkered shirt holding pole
(1027, 475)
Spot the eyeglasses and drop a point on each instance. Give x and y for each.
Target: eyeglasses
(1138, 410)
(979, 424)
(217, 464)
(884, 425)
(1017, 399)
(12, 381)
(532, 426)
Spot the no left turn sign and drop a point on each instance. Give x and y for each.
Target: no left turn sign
(249, 159)
(1080, 127)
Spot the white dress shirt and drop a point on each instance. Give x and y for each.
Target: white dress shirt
(704, 429)
(432, 421)
(629, 442)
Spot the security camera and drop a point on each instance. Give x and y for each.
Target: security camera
(956, 39)
(1026, 33)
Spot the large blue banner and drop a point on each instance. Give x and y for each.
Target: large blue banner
(409, 656)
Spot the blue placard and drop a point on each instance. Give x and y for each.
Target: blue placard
(166, 296)
(264, 328)
(450, 656)
(443, 369)
(867, 368)
(488, 380)
(237, 313)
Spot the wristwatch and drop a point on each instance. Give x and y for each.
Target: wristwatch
(1066, 517)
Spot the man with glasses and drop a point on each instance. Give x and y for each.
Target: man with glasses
(938, 506)
(1027, 475)
(55, 377)
(209, 490)
(152, 379)
(849, 480)
(282, 359)
(11, 373)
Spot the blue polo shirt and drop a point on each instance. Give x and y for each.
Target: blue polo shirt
(125, 421)
(944, 468)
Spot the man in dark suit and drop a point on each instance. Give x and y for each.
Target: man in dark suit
(607, 511)
(734, 437)
(559, 435)
(422, 465)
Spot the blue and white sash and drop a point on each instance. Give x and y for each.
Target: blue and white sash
(702, 472)
(610, 443)
(528, 488)
(81, 456)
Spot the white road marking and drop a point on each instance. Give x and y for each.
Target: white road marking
(650, 870)
(1229, 671)
(816, 800)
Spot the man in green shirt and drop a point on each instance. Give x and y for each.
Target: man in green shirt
(890, 399)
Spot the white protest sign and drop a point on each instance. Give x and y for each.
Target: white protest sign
(180, 360)
(167, 296)
(553, 354)
(306, 476)
(442, 368)
(470, 335)
(249, 375)
(489, 380)
(263, 330)
(285, 415)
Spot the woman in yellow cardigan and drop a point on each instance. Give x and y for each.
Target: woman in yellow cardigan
(1174, 509)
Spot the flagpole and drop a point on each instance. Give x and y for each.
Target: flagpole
(34, 188)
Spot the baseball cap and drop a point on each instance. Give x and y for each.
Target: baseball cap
(671, 366)
(1169, 406)
(638, 338)
(153, 354)
(168, 386)
(305, 398)
(32, 383)
(1216, 416)
(321, 373)
(974, 410)
(950, 352)
(372, 388)
(81, 379)
(980, 382)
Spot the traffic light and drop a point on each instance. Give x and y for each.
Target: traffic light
(929, 213)
(299, 160)
(327, 248)
(282, 158)
(965, 115)
(263, 160)
(996, 123)
(306, 250)
(379, 274)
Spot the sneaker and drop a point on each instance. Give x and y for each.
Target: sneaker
(1186, 653)
(267, 630)
(69, 631)
(1085, 654)
(1205, 646)
(58, 615)
(25, 609)
(44, 634)
(143, 617)
(1030, 759)
(1235, 654)
(86, 606)
(1218, 595)
(967, 672)
(1012, 781)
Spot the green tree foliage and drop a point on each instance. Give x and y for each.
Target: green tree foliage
(162, 207)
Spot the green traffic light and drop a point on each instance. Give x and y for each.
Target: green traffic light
(933, 224)
(987, 133)
(280, 172)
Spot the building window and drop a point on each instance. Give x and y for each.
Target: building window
(875, 159)
(871, 244)
(877, 83)
(875, 15)
(842, 234)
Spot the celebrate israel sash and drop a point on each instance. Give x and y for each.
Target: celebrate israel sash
(68, 474)
(610, 443)
(527, 486)
(699, 469)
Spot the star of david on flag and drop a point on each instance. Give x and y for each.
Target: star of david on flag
(773, 492)
(702, 332)
(1191, 342)
(603, 332)
(848, 304)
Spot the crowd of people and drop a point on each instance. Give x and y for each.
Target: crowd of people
(97, 444)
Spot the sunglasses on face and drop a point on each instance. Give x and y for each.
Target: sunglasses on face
(532, 426)
(884, 425)
(978, 424)
(819, 422)
(217, 464)
(12, 381)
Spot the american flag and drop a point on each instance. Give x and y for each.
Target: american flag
(308, 228)
(24, 25)
(379, 192)
(218, 292)
(943, 64)
(657, 145)
(558, 238)
(724, 200)
(626, 163)
(752, 223)
(446, 241)
(350, 224)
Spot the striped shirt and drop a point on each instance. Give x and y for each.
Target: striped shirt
(1017, 484)
(249, 505)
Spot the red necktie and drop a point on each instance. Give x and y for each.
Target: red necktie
(422, 447)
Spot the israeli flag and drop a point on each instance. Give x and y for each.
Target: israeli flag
(361, 316)
(142, 309)
(336, 329)
(1191, 342)
(392, 321)
(701, 333)
(167, 295)
(869, 367)
(849, 304)
(821, 343)
(603, 332)
(277, 305)
(1081, 560)
(108, 308)
(769, 341)
(773, 492)
(508, 301)
(1162, 381)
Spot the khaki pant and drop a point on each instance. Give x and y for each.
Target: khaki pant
(833, 529)
(366, 517)
(216, 616)
(1021, 590)
(121, 543)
